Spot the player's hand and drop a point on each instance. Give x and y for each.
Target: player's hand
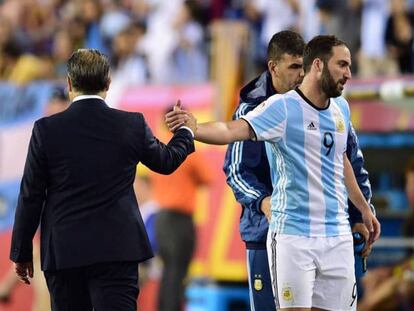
(24, 271)
(176, 118)
(265, 208)
(363, 231)
(191, 122)
(373, 226)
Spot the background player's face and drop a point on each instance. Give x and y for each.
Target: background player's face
(287, 73)
(336, 72)
(409, 188)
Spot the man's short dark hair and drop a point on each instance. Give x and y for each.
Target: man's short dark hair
(88, 70)
(285, 41)
(319, 47)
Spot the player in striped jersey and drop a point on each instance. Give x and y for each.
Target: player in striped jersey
(306, 133)
(247, 168)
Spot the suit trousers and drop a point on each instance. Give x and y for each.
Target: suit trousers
(100, 287)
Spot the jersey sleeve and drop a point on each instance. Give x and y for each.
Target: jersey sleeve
(268, 120)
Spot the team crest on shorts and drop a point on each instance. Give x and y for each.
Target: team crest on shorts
(287, 293)
(258, 284)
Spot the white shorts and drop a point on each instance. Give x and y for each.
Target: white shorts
(312, 271)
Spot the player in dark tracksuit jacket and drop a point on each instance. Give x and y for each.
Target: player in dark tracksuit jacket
(248, 174)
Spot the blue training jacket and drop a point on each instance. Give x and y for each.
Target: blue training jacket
(248, 173)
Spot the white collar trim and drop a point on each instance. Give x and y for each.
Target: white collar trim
(81, 97)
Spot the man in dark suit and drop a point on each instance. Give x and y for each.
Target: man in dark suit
(78, 184)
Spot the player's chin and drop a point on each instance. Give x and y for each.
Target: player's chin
(339, 90)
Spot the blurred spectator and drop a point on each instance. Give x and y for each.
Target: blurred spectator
(21, 68)
(91, 14)
(161, 38)
(189, 60)
(6, 30)
(399, 35)
(174, 227)
(129, 68)
(149, 269)
(37, 24)
(373, 59)
(114, 19)
(77, 31)
(12, 11)
(310, 24)
(62, 48)
(343, 19)
(277, 15)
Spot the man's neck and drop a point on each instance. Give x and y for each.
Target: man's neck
(314, 93)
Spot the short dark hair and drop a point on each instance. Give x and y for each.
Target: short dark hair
(88, 70)
(285, 41)
(319, 47)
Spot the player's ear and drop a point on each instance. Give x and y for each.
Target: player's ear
(272, 66)
(318, 65)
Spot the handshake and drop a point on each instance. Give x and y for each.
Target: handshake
(178, 118)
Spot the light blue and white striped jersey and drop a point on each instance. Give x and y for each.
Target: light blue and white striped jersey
(305, 147)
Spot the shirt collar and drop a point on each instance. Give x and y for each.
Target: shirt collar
(81, 97)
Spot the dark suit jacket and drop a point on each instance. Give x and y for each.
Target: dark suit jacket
(78, 183)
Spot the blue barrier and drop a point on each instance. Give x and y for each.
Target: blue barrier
(213, 297)
(386, 140)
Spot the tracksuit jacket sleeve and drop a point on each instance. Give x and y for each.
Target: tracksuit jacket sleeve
(247, 170)
(241, 172)
(31, 199)
(356, 158)
(161, 158)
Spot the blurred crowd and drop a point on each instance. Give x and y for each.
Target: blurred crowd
(167, 42)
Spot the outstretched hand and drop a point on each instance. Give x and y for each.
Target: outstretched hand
(178, 117)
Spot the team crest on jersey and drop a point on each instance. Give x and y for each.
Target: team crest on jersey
(258, 284)
(287, 293)
(340, 124)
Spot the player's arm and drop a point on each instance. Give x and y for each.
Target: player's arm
(213, 133)
(356, 158)
(357, 198)
(222, 133)
(271, 114)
